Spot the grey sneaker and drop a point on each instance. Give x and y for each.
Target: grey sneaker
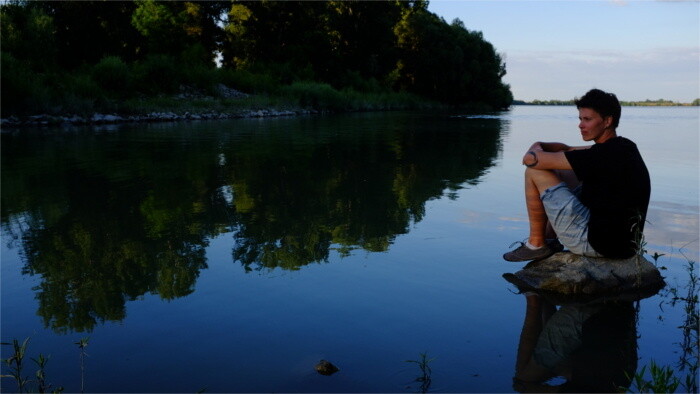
(523, 253)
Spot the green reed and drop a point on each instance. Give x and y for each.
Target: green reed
(39, 383)
(662, 378)
(425, 377)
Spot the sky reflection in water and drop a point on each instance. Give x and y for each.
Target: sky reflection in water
(407, 215)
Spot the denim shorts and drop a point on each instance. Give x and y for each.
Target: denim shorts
(569, 218)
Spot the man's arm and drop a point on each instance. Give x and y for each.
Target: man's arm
(542, 160)
(555, 147)
(549, 155)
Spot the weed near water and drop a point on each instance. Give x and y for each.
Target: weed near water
(664, 378)
(424, 378)
(15, 365)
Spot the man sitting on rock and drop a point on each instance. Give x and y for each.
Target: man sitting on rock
(599, 208)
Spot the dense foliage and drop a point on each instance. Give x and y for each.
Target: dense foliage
(82, 56)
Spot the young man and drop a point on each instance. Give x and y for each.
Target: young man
(604, 215)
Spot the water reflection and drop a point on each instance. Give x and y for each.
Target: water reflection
(103, 218)
(592, 346)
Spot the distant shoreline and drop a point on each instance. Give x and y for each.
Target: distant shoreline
(645, 103)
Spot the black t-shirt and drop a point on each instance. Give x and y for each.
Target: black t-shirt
(616, 189)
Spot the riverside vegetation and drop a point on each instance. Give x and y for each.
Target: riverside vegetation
(15, 365)
(134, 58)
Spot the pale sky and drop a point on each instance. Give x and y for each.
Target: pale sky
(559, 49)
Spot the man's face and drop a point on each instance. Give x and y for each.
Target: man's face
(592, 125)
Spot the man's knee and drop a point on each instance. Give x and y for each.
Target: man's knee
(542, 179)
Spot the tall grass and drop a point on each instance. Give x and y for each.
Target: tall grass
(665, 378)
(113, 85)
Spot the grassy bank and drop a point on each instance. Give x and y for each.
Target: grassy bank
(160, 83)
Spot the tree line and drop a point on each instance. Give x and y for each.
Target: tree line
(645, 103)
(90, 53)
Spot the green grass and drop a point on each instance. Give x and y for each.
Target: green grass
(153, 84)
(664, 378)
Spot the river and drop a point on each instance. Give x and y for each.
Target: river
(233, 255)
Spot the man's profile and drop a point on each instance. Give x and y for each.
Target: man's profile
(591, 199)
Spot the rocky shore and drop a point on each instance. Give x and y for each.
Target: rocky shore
(98, 118)
(186, 93)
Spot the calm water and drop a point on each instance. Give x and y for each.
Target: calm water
(234, 255)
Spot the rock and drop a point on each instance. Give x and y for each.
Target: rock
(567, 277)
(12, 121)
(326, 368)
(75, 119)
(226, 92)
(187, 92)
(100, 118)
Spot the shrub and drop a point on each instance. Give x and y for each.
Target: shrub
(157, 74)
(247, 81)
(316, 95)
(22, 89)
(353, 80)
(202, 77)
(81, 85)
(112, 74)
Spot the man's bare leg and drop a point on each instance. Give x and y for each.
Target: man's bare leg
(536, 182)
(536, 247)
(537, 312)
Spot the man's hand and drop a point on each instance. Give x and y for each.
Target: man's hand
(537, 146)
(530, 159)
(548, 156)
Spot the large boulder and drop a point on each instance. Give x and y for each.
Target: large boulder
(567, 277)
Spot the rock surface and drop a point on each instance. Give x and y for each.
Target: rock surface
(326, 368)
(569, 277)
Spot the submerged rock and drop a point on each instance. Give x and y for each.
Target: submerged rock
(326, 368)
(568, 277)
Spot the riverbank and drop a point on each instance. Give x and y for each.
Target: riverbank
(191, 104)
(165, 116)
(645, 103)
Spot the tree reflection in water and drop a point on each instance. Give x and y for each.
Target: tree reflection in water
(106, 217)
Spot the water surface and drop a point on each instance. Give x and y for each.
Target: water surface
(234, 255)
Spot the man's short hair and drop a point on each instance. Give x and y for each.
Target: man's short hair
(606, 104)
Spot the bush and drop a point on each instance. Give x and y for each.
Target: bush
(247, 81)
(22, 89)
(353, 80)
(316, 95)
(288, 73)
(157, 74)
(112, 74)
(201, 77)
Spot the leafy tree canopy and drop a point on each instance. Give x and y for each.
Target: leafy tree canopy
(360, 45)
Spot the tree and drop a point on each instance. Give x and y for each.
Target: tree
(288, 39)
(27, 34)
(173, 27)
(87, 31)
(448, 62)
